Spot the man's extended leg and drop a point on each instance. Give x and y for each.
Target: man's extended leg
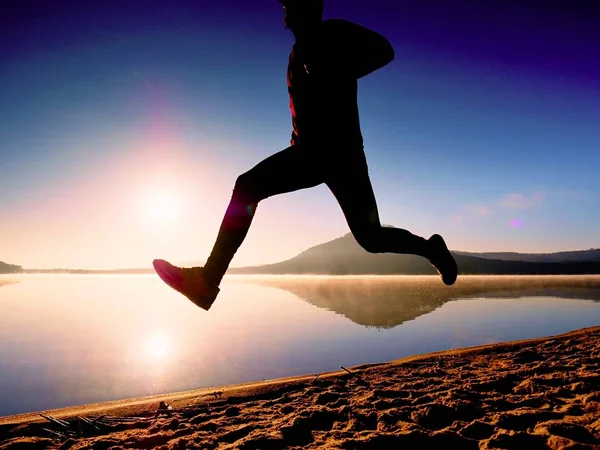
(352, 188)
(289, 170)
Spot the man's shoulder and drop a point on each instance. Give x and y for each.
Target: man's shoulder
(342, 28)
(338, 24)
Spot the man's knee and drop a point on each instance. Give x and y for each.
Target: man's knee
(246, 188)
(371, 241)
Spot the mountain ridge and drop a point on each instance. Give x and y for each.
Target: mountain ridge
(343, 255)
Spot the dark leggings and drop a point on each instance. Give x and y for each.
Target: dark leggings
(295, 168)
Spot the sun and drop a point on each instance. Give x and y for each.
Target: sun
(161, 206)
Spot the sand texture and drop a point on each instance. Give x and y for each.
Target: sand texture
(536, 394)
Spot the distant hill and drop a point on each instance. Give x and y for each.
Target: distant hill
(10, 268)
(592, 254)
(344, 256)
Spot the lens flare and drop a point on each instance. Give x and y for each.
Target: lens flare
(516, 223)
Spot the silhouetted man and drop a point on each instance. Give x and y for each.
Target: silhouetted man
(326, 61)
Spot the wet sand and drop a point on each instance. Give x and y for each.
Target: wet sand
(534, 394)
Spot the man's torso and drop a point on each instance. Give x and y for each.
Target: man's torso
(323, 101)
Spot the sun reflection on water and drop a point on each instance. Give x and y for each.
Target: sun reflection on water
(157, 346)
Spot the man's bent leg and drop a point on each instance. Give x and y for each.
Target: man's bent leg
(353, 190)
(287, 171)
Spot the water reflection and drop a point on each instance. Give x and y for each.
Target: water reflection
(74, 339)
(386, 302)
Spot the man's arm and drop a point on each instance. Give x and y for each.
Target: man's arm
(364, 51)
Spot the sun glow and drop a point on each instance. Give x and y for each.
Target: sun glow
(161, 206)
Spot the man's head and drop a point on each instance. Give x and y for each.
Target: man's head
(301, 13)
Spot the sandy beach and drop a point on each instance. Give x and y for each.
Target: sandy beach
(533, 394)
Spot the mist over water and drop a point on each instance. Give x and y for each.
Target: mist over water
(73, 339)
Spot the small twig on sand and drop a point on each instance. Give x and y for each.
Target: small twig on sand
(67, 444)
(58, 422)
(343, 368)
(79, 432)
(98, 418)
(88, 422)
(124, 418)
(357, 376)
(57, 433)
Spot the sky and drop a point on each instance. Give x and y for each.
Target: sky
(123, 126)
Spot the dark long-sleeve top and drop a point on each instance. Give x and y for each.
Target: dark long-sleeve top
(322, 83)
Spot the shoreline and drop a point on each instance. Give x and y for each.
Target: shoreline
(533, 370)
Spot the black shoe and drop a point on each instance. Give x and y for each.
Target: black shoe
(190, 282)
(442, 260)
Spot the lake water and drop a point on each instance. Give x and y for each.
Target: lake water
(73, 339)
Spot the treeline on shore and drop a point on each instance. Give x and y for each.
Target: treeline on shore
(10, 268)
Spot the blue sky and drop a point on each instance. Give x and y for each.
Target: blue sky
(483, 129)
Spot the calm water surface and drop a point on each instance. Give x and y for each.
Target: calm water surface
(73, 339)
